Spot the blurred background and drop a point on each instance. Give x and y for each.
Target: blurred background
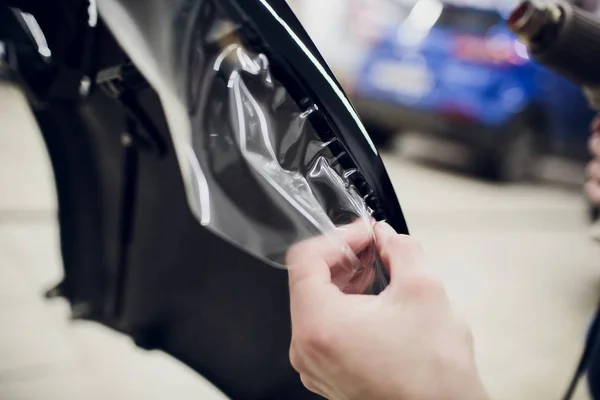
(445, 82)
(485, 148)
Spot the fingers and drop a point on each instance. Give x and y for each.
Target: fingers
(592, 190)
(400, 254)
(314, 257)
(317, 265)
(592, 187)
(358, 282)
(593, 170)
(594, 144)
(403, 256)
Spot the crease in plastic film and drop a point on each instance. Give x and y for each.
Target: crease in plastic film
(256, 170)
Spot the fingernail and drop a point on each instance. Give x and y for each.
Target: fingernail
(386, 229)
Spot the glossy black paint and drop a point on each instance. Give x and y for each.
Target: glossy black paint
(140, 262)
(275, 25)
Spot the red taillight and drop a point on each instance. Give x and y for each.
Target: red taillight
(456, 113)
(493, 50)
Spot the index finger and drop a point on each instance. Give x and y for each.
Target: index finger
(310, 262)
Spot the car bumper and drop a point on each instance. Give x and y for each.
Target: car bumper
(398, 116)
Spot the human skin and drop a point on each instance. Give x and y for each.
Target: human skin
(592, 187)
(403, 344)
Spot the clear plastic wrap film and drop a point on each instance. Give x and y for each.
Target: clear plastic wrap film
(256, 171)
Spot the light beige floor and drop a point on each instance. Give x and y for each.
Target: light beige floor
(519, 263)
(44, 356)
(517, 260)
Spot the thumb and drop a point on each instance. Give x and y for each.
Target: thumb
(401, 254)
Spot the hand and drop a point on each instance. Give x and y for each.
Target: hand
(405, 344)
(592, 187)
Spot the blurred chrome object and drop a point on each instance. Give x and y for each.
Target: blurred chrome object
(527, 21)
(567, 40)
(564, 38)
(193, 142)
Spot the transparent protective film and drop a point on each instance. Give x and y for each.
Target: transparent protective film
(256, 170)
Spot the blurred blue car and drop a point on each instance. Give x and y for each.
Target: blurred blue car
(455, 72)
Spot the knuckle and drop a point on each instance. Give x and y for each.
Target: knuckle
(314, 339)
(307, 251)
(434, 285)
(295, 359)
(425, 286)
(401, 245)
(294, 253)
(407, 243)
(593, 170)
(594, 146)
(309, 383)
